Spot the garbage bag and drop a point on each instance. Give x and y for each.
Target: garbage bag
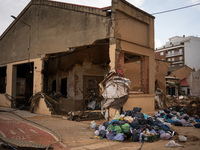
(135, 125)
(177, 123)
(101, 127)
(150, 121)
(128, 134)
(91, 105)
(166, 110)
(128, 113)
(113, 121)
(111, 128)
(137, 109)
(165, 136)
(139, 115)
(106, 124)
(129, 119)
(117, 116)
(182, 138)
(135, 136)
(93, 125)
(110, 135)
(125, 127)
(119, 137)
(183, 121)
(197, 125)
(142, 121)
(96, 132)
(102, 133)
(118, 129)
(172, 143)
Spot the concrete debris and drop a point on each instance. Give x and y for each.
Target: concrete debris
(50, 102)
(85, 115)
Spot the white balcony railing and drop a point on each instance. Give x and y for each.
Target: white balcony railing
(174, 54)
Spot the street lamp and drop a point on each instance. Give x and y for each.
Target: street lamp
(29, 36)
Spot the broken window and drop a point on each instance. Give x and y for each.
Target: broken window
(64, 87)
(2, 79)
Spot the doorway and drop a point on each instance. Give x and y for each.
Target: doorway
(23, 84)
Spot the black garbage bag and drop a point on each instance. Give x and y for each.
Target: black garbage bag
(128, 113)
(106, 124)
(197, 125)
(162, 114)
(139, 115)
(142, 121)
(169, 116)
(102, 133)
(122, 122)
(137, 109)
(135, 136)
(178, 123)
(150, 121)
(166, 110)
(135, 125)
(115, 123)
(128, 134)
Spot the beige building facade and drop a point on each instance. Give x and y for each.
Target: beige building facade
(64, 48)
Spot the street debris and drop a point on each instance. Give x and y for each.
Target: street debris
(136, 126)
(50, 102)
(190, 104)
(172, 143)
(85, 115)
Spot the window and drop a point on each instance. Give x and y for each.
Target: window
(173, 59)
(169, 59)
(172, 51)
(180, 50)
(181, 58)
(161, 53)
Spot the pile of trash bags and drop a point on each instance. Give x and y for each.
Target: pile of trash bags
(136, 126)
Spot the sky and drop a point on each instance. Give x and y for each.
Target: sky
(176, 23)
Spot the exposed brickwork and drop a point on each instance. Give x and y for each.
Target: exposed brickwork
(144, 74)
(120, 63)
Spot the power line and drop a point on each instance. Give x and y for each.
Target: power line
(175, 9)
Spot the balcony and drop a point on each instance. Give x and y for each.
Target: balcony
(177, 62)
(174, 54)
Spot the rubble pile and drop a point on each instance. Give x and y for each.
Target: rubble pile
(189, 103)
(136, 126)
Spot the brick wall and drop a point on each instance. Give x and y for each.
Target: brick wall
(144, 74)
(120, 63)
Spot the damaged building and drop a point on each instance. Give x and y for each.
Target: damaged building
(54, 47)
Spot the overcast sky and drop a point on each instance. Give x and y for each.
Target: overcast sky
(177, 23)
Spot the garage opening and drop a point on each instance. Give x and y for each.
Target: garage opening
(24, 85)
(2, 79)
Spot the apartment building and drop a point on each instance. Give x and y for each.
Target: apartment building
(181, 51)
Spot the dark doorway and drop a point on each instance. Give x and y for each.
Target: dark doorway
(2, 79)
(64, 87)
(24, 84)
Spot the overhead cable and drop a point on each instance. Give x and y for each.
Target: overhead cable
(175, 9)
